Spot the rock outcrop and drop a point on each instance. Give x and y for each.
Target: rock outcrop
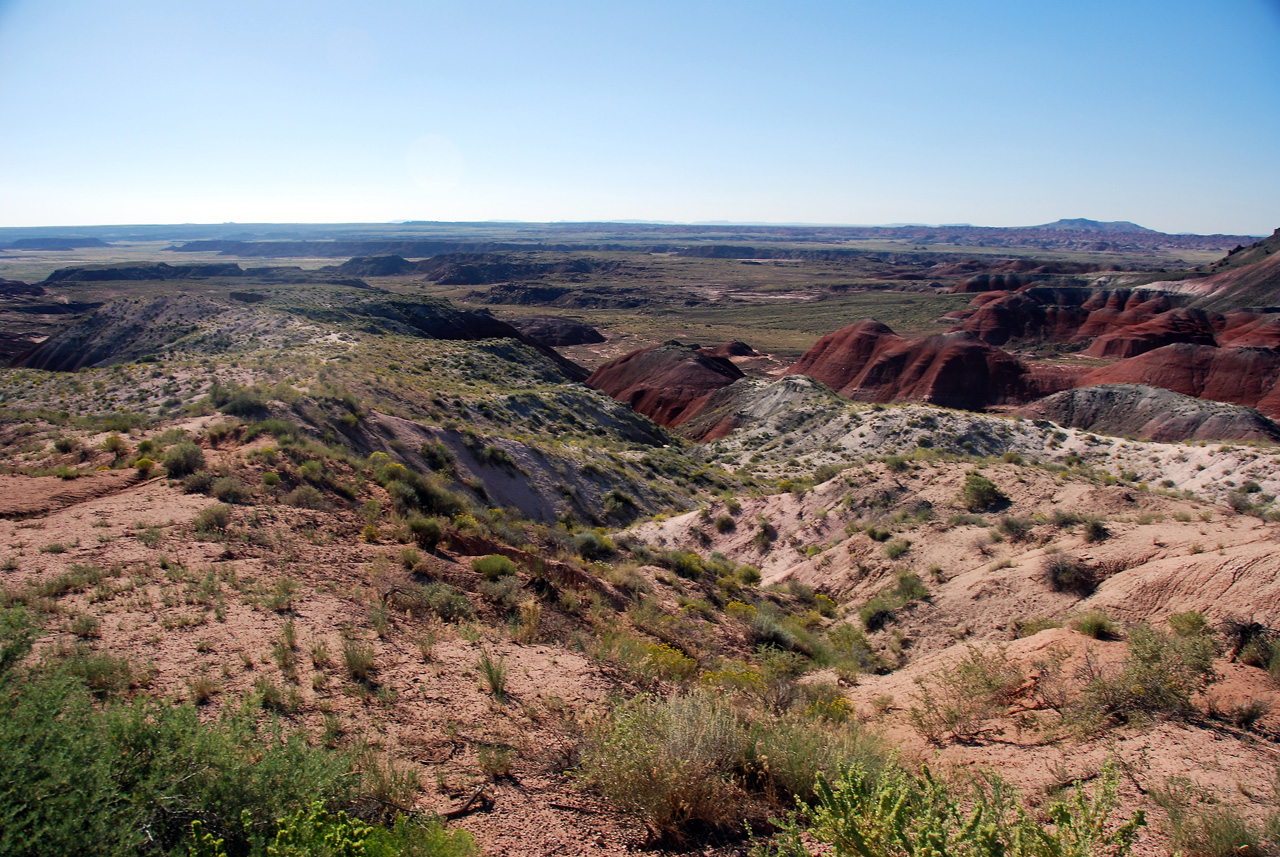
(15, 288)
(869, 362)
(1151, 413)
(668, 383)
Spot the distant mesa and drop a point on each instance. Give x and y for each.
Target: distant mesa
(375, 266)
(667, 383)
(1081, 224)
(129, 272)
(54, 243)
(868, 362)
(146, 271)
(462, 269)
(1153, 413)
(564, 297)
(556, 331)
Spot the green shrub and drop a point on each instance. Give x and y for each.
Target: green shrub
(493, 566)
(725, 524)
(980, 494)
(427, 532)
(880, 609)
(504, 592)
(229, 489)
(211, 519)
(183, 458)
(897, 548)
(676, 764)
(1095, 531)
(591, 545)
(315, 832)
(132, 777)
(144, 466)
(1189, 624)
(437, 456)
(115, 445)
(962, 699)
(1065, 573)
(306, 497)
(448, 602)
(1097, 625)
(1159, 676)
(1215, 829)
(1015, 529)
(895, 813)
(199, 482)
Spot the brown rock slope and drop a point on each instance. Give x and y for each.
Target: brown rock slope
(869, 362)
(1151, 412)
(1242, 376)
(667, 383)
(1247, 276)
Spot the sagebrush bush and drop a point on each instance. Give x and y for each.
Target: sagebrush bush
(505, 592)
(212, 519)
(1095, 531)
(1096, 624)
(897, 813)
(1159, 675)
(183, 458)
(1066, 573)
(673, 763)
(427, 532)
(230, 489)
(980, 494)
(591, 545)
(961, 700)
(198, 482)
(493, 566)
(306, 497)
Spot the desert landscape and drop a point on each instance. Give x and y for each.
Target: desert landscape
(605, 538)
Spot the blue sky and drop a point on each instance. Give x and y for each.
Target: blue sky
(862, 111)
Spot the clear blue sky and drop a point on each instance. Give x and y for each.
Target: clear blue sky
(1163, 112)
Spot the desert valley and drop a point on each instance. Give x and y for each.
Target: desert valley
(570, 539)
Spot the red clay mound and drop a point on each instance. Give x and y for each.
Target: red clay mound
(1178, 325)
(1250, 330)
(667, 383)
(733, 348)
(1058, 314)
(1242, 376)
(869, 362)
